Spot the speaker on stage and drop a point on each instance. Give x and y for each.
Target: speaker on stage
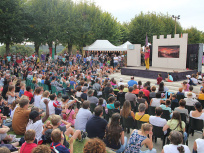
(193, 62)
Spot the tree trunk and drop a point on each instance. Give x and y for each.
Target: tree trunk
(7, 48)
(55, 49)
(69, 48)
(37, 49)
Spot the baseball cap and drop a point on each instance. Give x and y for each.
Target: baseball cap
(33, 115)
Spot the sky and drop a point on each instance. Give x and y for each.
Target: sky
(191, 11)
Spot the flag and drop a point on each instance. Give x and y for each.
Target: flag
(146, 41)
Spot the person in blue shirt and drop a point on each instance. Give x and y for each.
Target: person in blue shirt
(57, 138)
(132, 82)
(170, 78)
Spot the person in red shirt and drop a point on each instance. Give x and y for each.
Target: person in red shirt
(159, 79)
(145, 91)
(19, 61)
(28, 92)
(28, 145)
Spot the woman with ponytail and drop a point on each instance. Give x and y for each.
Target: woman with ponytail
(176, 146)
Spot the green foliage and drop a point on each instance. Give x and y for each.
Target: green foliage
(17, 48)
(152, 24)
(194, 35)
(13, 22)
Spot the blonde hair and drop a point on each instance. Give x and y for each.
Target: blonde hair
(46, 93)
(146, 127)
(29, 135)
(22, 84)
(56, 135)
(55, 119)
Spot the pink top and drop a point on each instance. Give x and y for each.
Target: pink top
(70, 119)
(147, 54)
(187, 88)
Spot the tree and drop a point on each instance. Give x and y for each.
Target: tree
(13, 22)
(194, 35)
(152, 24)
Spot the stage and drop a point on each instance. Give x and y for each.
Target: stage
(140, 71)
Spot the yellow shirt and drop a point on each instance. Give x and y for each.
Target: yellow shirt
(145, 118)
(201, 96)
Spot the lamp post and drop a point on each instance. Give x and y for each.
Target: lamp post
(175, 17)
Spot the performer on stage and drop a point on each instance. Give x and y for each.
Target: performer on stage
(147, 54)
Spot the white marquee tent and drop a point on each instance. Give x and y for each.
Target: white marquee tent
(105, 45)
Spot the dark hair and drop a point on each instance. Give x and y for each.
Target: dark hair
(161, 86)
(100, 101)
(148, 83)
(140, 94)
(28, 88)
(52, 96)
(111, 99)
(177, 116)
(98, 110)
(113, 132)
(202, 90)
(191, 88)
(158, 111)
(38, 90)
(158, 95)
(168, 102)
(176, 138)
(159, 74)
(182, 103)
(121, 87)
(85, 104)
(116, 104)
(78, 88)
(110, 90)
(130, 89)
(139, 84)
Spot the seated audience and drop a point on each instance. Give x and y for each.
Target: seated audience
(201, 95)
(159, 78)
(156, 102)
(145, 90)
(114, 137)
(141, 116)
(182, 109)
(198, 146)
(132, 82)
(176, 140)
(190, 91)
(190, 101)
(139, 138)
(130, 96)
(42, 149)
(198, 113)
(28, 92)
(92, 98)
(166, 105)
(126, 110)
(175, 123)
(95, 127)
(152, 94)
(84, 93)
(140, 99)
(135, 89)
(29, 144)
(170, 78)
(82, 117)
(21, 117)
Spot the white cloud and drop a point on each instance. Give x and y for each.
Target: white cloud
(191, 12)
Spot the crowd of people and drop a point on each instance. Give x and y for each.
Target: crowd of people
(87, 103)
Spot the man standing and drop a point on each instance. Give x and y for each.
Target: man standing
(147, 54)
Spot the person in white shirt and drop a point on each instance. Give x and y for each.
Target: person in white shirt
(115, 61)
(121, 82)
(53, 99)
(190, 91)
(189, 100)
(176, 139)
(37, 97)
(198, 145)
(157, 120)
(46, 94)
(193, 78)
(36, 122)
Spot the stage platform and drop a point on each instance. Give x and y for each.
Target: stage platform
(140, 71)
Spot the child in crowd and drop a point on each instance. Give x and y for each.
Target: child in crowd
(45, 95)
(159, 78)
(11, 94)
(117, 107)
(70, 115)
(57, 142)
(170, 78)
(22, 88)
(28, 92)
(37, 97)
(29, 144)
(139, 86)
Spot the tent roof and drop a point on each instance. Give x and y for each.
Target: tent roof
(101, 45)
(124, 46)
